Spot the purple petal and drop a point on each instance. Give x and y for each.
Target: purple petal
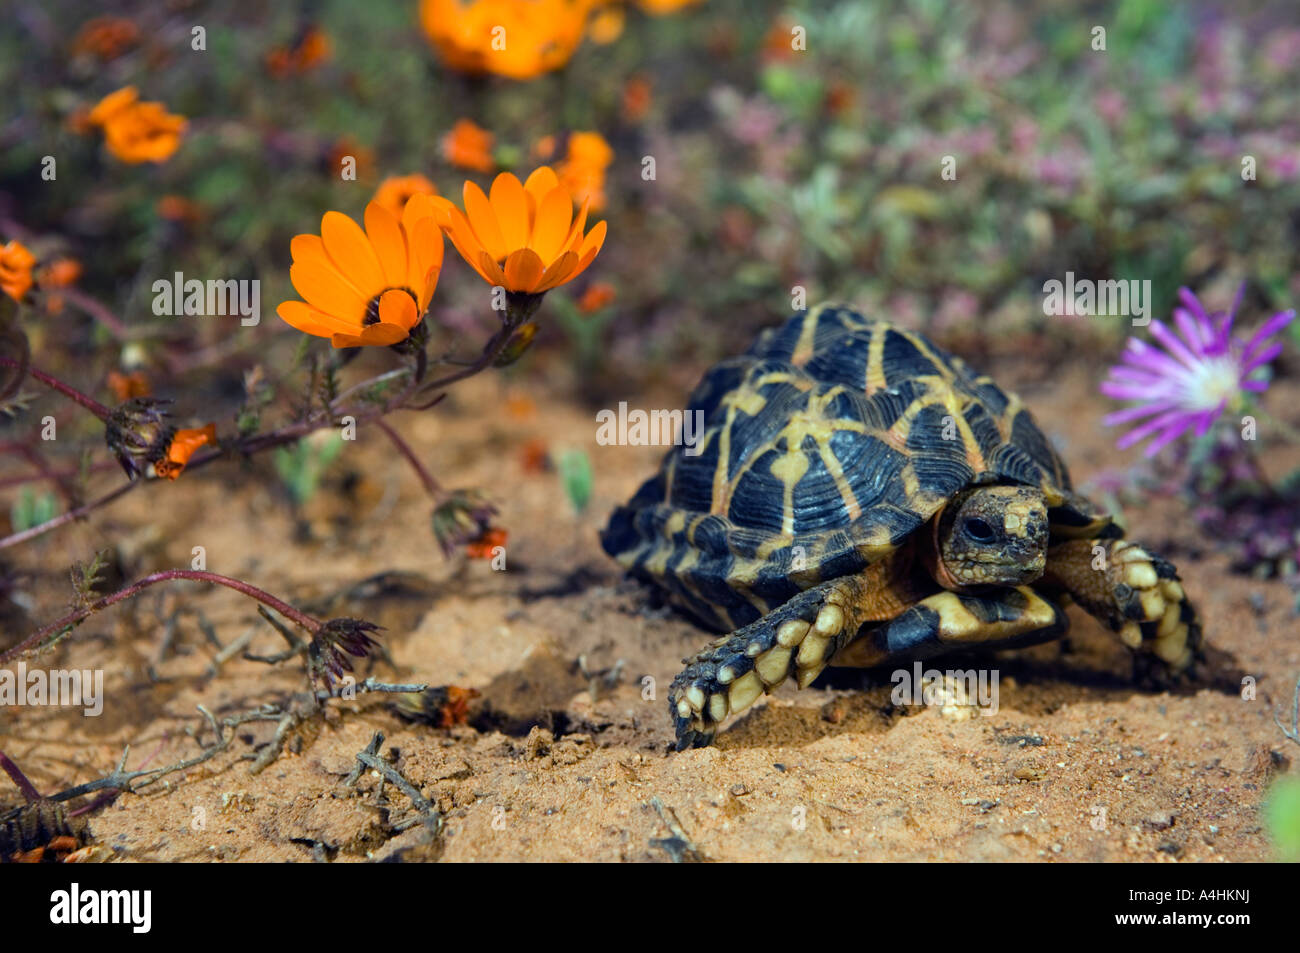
(1172, 344)
(1196, 335)
(1129, 414)
(1168, 418)
(1265, 356)
(1170, 435)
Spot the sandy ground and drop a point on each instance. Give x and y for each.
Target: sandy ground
(558, 762)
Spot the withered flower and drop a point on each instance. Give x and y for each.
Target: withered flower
(139, 434)
(442, 706)
(462, 518)
(327, 654)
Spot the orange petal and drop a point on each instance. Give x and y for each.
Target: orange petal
(542, 180)
(574, 238)
(523, 270)
(560, 271)
(463, 238)
(511, 207)
(554, 215)
(425, 241)
(594, 241)
(491, 271)
(386, 236)
(430, 285)
(483, 221)
(346, 340)
(352, 253)
(381, 335)
(326, 290)
(308, 248)
(397, 308)
(298, 314)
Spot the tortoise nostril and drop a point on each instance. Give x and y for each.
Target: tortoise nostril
(978, 530)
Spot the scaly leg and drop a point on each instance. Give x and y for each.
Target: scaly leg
(1134, 592)
(803, 635)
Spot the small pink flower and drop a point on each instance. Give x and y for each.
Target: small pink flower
(1194, 378)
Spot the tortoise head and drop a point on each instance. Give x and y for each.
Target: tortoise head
(991, 536)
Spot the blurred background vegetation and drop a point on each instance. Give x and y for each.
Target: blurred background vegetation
(774, 167)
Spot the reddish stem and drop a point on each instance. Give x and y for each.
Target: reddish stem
(68, 391)
(434, 488)
(15, 538)
(286, 610)
(29, 790)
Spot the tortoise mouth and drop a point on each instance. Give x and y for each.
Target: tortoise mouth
(959, 574)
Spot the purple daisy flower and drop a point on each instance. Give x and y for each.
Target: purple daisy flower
(1194, 378)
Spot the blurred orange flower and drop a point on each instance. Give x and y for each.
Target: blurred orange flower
(597, 295)
(544, 147)
(520, 39)
(636, 98)
(661, 7)
(583, 170)
(348, 147)
(469, 146)
(394, 192)
(177, 208)
(127, 386)
(106, 37)
(310, 50)
(134, 131)
(16, 269)
(482, 547)
(524, 238)
(183, 445)
(606, 25)
(367, 287)
(59, 273)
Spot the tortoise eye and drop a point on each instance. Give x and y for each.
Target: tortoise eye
(978, 530)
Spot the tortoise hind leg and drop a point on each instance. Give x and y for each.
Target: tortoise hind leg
(1135, 593)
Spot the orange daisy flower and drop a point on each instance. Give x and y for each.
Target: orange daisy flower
(137, 132)
(106, 37)
(367, 287)
(583, 170)
(394, 192)
(659, 8)
(184, 444)
(520, 39)
(597, 295)
(524, 238)
(16, 264)
(469, 146)
(606, 25)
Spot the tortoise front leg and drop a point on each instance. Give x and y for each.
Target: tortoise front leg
(798, 638)
(803, 635)
(1134, 592)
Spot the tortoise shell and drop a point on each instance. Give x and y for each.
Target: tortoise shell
(825, 447)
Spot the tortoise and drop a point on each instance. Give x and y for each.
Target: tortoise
(858, 496)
